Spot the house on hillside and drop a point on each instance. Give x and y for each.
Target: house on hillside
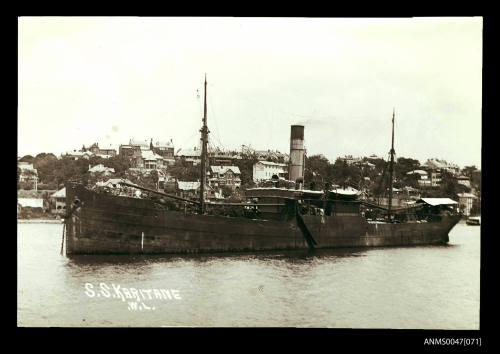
(75, 155)
(218, 157)
(427, 179)
(106, 171)
(265, 170)
(411, 193)
(464, 181)
(28, 174)
(190, 156)
(465, 202)
(129, 151)
(133, 149)
(93, 150)
(164, 149)
(442, 165)
(188, 190)
(191, 190)
(221, 176)
(32, 200)
(59, 201)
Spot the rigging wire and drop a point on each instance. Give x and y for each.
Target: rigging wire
(210, 103)
(190, 138)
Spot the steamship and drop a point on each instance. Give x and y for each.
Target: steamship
(272, 218)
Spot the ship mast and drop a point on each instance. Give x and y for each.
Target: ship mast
(391, 167)
(204, 140)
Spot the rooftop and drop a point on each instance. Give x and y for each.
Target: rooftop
(141, 143)
(437, 201)
(466, 195)
(150, 155)
(168, 144)
(420, 172)
(61, 193)
(224, 169)
(269, 163)
(101, 168)
(188, 152)
(113, 182)
(186, 186)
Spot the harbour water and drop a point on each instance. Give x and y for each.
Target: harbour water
(428, 287)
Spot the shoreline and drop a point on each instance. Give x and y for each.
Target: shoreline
(39, 221)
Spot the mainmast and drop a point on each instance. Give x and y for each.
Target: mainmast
(204, 140)
(391, 167)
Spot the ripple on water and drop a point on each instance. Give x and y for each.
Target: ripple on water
(414, 287)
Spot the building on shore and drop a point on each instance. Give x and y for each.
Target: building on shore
(411, 193)
(465, 202)
(129, 151)
(427, 178)
(148, 156)
(28, 174)
(442, 165)
(101, 169)
(221, 176)
(188, 190)
(265, 170)
(165, 149)
(75, 155)
(59, 202)
(191, 190)
(31, 200)
(148, 160)
(167, 183)
(95, 150)
(464, 181)
(189, 156)
(349, 160)
(218, 157)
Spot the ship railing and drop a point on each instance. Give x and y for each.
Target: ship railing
(160, 193)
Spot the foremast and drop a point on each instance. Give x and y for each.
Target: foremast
(391, 168)
(204, 140)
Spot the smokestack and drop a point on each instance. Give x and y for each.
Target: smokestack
(297, 156)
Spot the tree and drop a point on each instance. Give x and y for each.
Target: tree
(227, 191)
(345, 174)
(316, 169)
(185, 172)
(475, 180)
(119, 163)
(27, 158)
(246, 168)
(405, 165)
(378, 162)
(46, 164)
(469, 170)
(154, 178)
(410, 180)
(449, 186)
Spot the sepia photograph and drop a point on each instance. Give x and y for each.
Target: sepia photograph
(250, 172)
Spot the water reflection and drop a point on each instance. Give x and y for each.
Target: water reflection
(386, 287)
(287, 256)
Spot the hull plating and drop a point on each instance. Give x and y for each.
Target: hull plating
(109, 224)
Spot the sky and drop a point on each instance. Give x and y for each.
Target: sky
(109, 79)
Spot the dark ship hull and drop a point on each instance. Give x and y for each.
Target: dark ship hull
(108, 224)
